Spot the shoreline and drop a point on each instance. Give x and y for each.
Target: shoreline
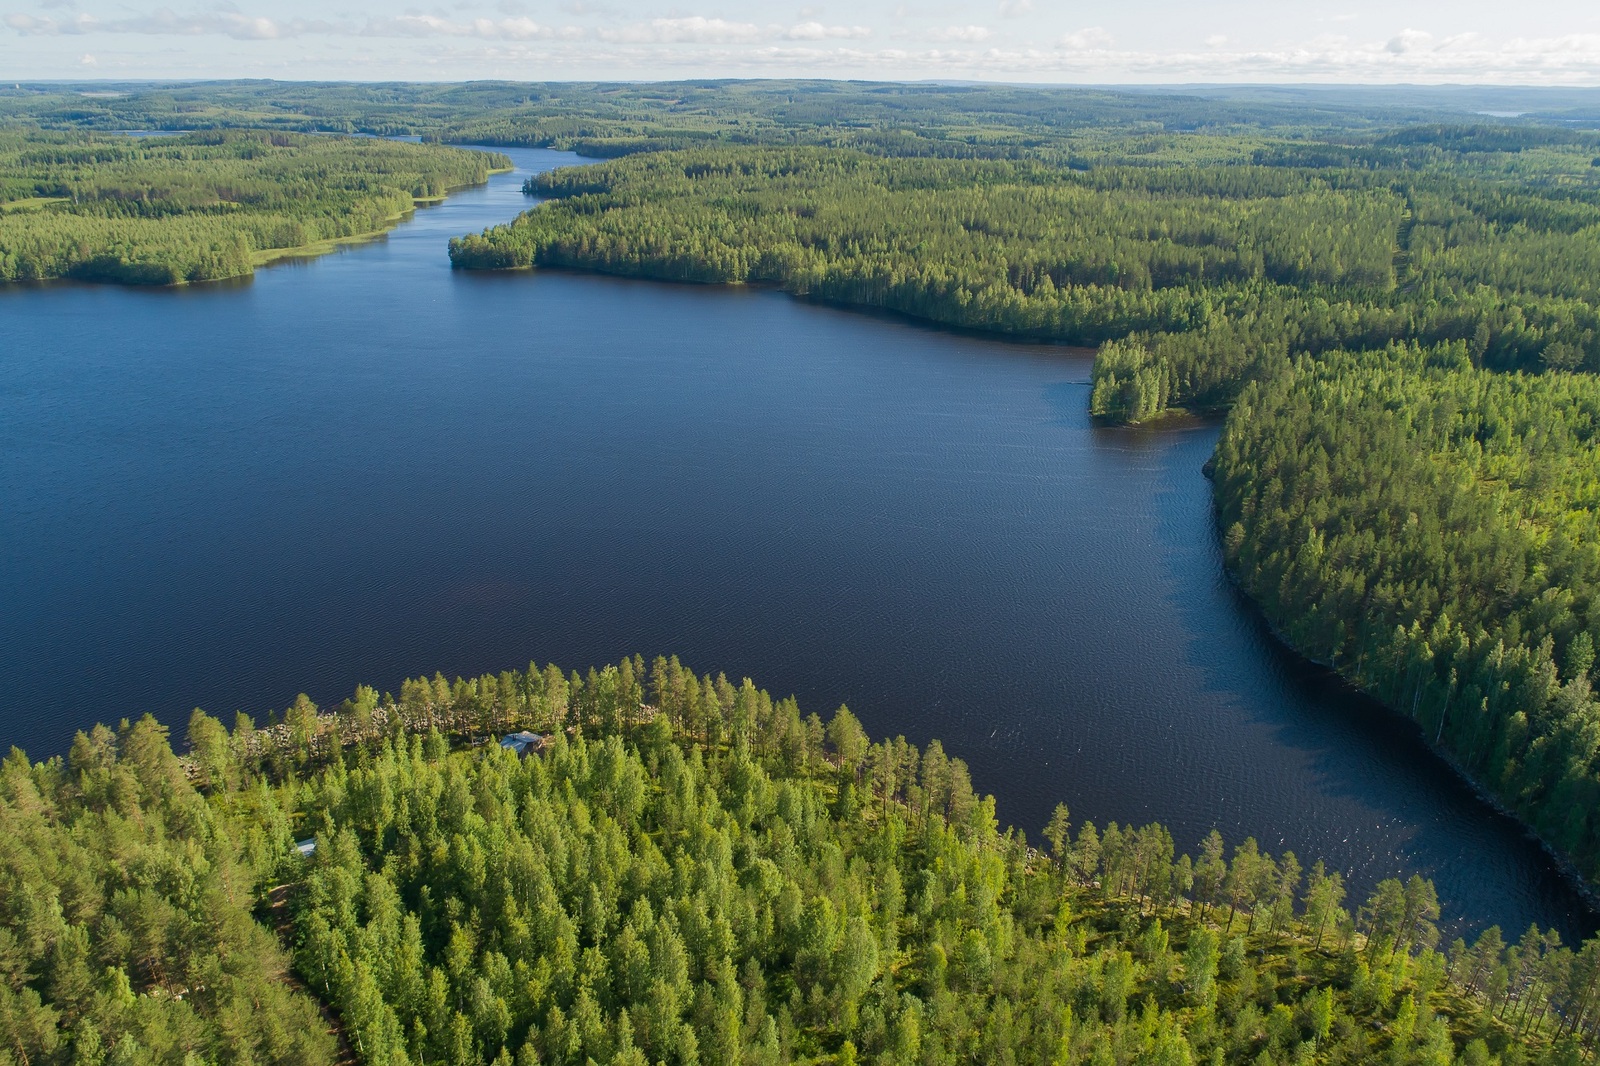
(266, 257)
(317, 249)
(1586, 890)
(1020, 339)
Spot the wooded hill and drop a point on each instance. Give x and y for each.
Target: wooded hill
(205, 206)
(707, 878)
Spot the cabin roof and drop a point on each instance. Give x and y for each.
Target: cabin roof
(522, 742)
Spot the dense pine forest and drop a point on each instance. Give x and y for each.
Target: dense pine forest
(205, 206)
(1430, 530)
(690, 871)
(126, 932)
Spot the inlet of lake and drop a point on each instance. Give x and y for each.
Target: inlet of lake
(369, 466)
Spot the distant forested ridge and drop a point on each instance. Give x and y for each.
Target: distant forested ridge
(690, 872)
(203, 206)
(968, 121)
(609, 119)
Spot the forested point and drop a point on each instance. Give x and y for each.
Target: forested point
(204, 206)
(689, 871)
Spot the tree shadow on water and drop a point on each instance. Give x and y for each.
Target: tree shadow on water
(1341, 749)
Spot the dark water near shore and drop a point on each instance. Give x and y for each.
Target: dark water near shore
(367, 467)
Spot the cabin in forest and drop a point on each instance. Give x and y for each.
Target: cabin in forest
(524, 743)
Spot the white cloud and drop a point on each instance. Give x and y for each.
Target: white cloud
(1090, 55)
(506, 29)
(244, 27)
(88, 60)
(696, 29)
(970, 34)
(1572, 44)
(1010, 9)
(165, 22)
(816, 31)
(30, 26)
(1408, 41)
(1091, 38)
(449, 43)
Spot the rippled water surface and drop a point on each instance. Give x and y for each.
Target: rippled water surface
(367, 467)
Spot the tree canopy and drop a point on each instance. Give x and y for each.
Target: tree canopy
(1430, 530)
(1203, 277)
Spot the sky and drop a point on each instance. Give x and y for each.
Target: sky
(1543, 42)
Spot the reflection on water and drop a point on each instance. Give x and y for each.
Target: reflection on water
(367, 466)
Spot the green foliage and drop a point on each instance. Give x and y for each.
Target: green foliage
(712, 877)
(1431, 530)
(1021, 247)
(1425, 526)
(162, 211)
(125, 927)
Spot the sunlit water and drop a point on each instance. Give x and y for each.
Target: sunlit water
(368, 466)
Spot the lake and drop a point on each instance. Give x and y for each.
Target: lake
(367, 466)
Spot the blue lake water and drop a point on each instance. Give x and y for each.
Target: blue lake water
(368, 466)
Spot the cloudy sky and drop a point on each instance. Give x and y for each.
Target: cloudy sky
(1540, 42)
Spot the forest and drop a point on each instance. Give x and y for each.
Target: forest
(204, 206)
(612, 119)
(1432, 531)
(689, 872)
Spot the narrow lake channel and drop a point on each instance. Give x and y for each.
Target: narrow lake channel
(368, 466)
